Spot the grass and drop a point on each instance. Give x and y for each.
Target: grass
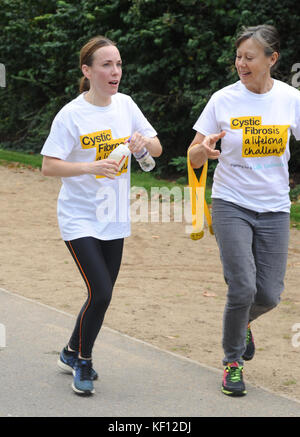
(289, 382)
(148, 181)
(295, 215)
(139, 179)
(21, 158)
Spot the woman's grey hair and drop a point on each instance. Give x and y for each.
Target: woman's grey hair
(264, 34)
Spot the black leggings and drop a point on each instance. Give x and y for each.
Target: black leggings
(99, 263)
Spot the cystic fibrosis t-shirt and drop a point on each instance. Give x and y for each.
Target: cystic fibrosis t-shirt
(91, 205)
(253, 166)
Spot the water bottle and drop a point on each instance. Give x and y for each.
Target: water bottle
(145, 160)
(120, 154)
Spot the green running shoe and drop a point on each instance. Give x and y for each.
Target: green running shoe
(233, 384)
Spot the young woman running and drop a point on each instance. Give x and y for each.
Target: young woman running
(93, 203)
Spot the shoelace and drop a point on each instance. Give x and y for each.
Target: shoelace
(85, 370)
(235, 373)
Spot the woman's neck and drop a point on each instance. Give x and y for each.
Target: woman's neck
(95, 99)
(261, 88)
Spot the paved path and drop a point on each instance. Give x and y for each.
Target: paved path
(136, 379)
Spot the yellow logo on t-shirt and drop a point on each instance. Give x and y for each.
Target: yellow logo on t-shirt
(260, 140)
(104, 143)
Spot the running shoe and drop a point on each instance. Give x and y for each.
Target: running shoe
(82, 382)
(233, 384)
(250, 346)
(67, 360)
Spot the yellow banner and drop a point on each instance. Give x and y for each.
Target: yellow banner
(261, 140)
(104, 143)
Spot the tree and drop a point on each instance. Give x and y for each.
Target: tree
(175, 55)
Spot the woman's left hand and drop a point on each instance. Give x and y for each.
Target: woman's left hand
(137, 142)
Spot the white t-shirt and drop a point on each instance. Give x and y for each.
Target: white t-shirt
(253, 166)
(91, 205)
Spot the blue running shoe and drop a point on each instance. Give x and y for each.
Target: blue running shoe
(83, 383)
(67, 360)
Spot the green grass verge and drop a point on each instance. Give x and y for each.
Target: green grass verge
(21, 158)
(148, 181)
(138, 179)
(295, 215)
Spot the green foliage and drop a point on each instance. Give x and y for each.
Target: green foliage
(295, 216)
(295, 194)
(179, 162)
(175, 55)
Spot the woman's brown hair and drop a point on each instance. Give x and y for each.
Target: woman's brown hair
(264, 34)
(86, 57)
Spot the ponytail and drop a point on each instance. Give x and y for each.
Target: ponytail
(84, 84)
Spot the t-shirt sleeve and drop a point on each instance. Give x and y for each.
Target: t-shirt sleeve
(140, 122)
(207, 122)
(60, 141)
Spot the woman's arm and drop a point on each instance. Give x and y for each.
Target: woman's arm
(202, 148)
(58, 167)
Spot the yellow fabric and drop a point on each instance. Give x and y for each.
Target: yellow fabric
(198, 202)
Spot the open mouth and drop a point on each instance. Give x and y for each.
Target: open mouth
(244, 74)
(114, 82)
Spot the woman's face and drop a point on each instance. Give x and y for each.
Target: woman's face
(253, 66)
(106, 71)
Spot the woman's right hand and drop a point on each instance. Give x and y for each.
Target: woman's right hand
(202, 148)
(209, 144)
(104, 167)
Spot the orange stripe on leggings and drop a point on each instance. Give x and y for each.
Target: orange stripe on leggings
(89, 293)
